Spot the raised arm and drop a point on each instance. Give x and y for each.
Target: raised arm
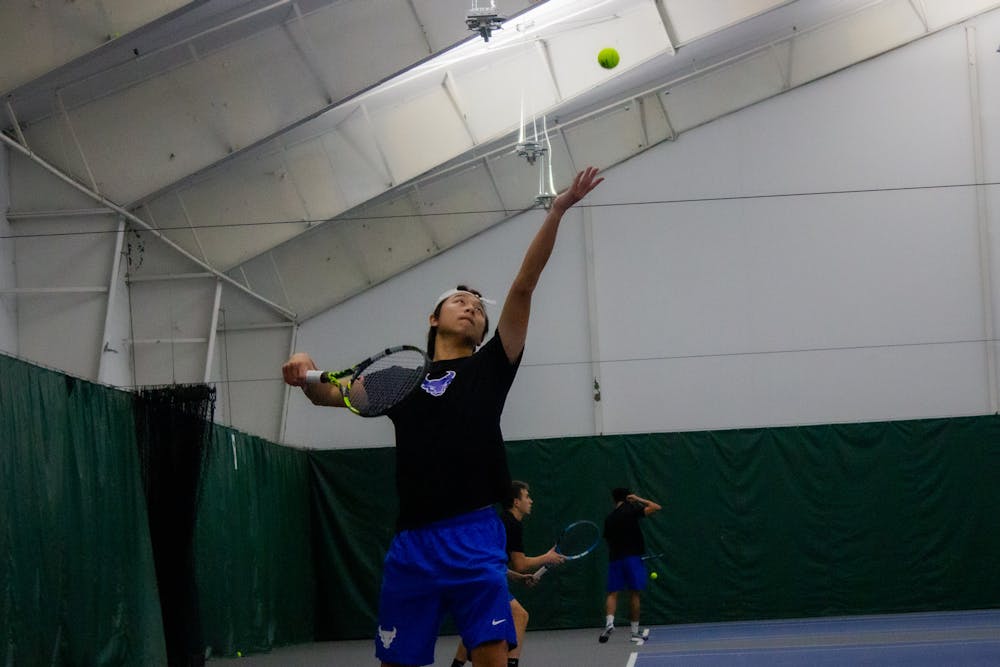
(648, 506)
(293, 372)
(513, 324)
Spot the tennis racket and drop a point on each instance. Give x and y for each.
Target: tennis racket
(375, 385)
(575, 541)
(652, 556)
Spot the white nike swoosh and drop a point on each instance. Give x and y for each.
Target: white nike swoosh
(496, 622)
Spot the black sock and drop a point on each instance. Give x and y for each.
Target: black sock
(512, 662)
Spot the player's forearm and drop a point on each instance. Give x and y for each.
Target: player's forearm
(645, 502)
(518, 562)
(532, 563)
(324, 394)
(538, 253)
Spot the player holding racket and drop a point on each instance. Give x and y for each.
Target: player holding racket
(516, 507)
(626, 570)
(451, 467)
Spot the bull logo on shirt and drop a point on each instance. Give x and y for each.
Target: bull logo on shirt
(438, 386)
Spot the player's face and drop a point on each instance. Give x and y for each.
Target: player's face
(463, 313)
(524, 503)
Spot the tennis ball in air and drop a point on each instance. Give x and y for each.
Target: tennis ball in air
(239, 654)
(608, 58)
(653, 575)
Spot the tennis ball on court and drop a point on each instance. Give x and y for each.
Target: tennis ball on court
(653, 575)
(239, 654)
(608, 58)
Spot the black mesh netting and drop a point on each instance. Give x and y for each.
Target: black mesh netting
(172, 430)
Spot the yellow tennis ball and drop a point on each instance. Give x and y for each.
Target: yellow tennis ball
(608, 58)
(653, 575)
(239, 654)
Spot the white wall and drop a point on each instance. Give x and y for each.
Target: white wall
(8, 303)
(735, 309)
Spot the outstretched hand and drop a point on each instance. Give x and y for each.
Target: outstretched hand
(553, 557)
(584, 182)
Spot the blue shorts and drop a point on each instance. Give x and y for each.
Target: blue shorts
(455, 566)
(628, 573)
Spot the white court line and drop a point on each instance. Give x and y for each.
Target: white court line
(631, 659)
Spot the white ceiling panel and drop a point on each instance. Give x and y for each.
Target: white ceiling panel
(492, 93)
(341, 38)
(725, 89)
(457, 208)
(853, 38)
(255, 208)
(357, 160)
(259, 274)
(311, 171)
(691, 19)
(940, 14)
(420, 133)
(202, 112)
(606, 139)
(388, 241)
(55, 33)
(319, 266)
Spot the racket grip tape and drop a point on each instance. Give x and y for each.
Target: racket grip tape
(316, 377)
(539, 572)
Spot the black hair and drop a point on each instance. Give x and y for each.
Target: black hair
(620, 494)
(432, 331)
(514, 493)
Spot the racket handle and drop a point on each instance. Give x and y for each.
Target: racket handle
(314, 377)
(539, 572)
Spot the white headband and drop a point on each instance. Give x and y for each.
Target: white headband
(452, 292)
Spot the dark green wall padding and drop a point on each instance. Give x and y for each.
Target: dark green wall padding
(77, 580)
(757, 523)
(256, 580)
(77, 585)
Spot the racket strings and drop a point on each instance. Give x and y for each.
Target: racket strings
(579, 539)
(386, 381)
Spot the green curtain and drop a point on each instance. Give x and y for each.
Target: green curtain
(77, 585)
(757, 523)
(255, 573)
(355, 511)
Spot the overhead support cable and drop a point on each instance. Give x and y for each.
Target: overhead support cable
(103, 201)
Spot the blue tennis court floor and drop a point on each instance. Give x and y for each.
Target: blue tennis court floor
(960, 639)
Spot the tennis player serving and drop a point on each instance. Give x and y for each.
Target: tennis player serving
(447, 556)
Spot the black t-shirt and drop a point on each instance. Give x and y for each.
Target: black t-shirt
(622, 532)
(450, 456)
(515, 533)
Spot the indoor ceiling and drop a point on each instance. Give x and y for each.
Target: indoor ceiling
(306, 150)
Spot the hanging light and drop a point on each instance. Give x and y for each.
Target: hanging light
(546, 184)
(483, 19)
(530, 149)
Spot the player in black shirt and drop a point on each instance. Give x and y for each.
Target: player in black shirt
(516, 506)
(451, 467)
(626, 547)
